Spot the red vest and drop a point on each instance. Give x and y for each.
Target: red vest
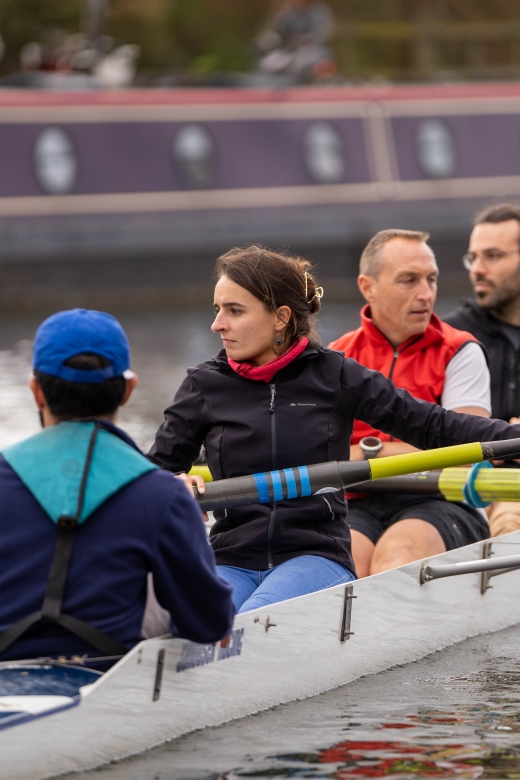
(418, 365)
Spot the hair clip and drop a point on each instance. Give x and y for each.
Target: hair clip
(317, 294)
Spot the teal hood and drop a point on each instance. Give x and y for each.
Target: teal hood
(51, 463)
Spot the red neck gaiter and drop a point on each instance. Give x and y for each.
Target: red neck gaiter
(266, 372)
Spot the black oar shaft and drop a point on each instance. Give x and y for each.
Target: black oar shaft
(271, 486)
(425, 484)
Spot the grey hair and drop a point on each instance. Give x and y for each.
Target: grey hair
(370, 262)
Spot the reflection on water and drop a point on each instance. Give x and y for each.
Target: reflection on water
(454, 714)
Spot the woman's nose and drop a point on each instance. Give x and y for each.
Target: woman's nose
(217, 324)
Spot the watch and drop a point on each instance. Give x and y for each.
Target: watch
(370, 446)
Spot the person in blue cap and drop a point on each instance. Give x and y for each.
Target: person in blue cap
(85, 517)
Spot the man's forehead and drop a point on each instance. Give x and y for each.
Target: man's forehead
(496, 233)
(399, 255)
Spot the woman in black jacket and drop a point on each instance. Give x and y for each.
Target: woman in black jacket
(273, 398)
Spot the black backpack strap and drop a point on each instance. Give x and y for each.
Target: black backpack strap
(51, 608)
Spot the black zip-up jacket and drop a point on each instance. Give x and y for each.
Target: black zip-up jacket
(504, 359)
(305, 415)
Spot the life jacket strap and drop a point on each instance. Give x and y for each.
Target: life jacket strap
(54, 592)
(51, 608)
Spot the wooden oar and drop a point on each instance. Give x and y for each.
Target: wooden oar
(301, 481)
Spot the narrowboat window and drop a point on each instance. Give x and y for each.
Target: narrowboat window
(55, 161)
(324, 153)
(436, 149)
(194, 153)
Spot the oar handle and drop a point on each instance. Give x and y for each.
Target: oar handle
(272, 486)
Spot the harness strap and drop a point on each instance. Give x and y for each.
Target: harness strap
(54, 592)
(98, 639)
(51, 608)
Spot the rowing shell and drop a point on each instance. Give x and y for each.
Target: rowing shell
(297, 648)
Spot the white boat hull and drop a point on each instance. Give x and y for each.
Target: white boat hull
(395, 620)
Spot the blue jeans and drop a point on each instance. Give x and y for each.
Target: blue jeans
(297, 577)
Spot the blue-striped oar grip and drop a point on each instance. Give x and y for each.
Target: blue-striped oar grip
(305, 481)
(292, 488)
(262, 487)
(277, 486)
(279, 491)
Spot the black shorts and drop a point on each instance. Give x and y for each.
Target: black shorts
(458, 524)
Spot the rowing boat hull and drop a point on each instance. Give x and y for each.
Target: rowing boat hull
(285, 652)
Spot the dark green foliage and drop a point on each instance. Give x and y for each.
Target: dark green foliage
(28, 20)
(204, 36)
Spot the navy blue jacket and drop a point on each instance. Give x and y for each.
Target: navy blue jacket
(151, 525)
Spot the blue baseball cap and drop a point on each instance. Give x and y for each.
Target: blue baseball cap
(73, 332)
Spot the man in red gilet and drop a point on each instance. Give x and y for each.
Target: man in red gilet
(401, 337)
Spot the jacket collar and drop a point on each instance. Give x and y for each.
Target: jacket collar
(431, 335)
(473, 312)
(51, 465)
(222, 360)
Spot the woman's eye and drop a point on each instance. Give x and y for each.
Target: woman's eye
(236, 311)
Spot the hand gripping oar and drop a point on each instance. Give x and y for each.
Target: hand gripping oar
(301, 481)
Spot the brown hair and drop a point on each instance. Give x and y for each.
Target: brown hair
(370, 263)
(503, 212)
(276, 279)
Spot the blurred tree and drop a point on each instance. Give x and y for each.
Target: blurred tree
(26, 20)
(204, 36)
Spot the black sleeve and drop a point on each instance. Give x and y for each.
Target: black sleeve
(374, 399)
(180, 437)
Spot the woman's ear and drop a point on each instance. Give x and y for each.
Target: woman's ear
(283, 317)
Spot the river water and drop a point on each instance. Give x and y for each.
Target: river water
(455, 713)
(163, 345)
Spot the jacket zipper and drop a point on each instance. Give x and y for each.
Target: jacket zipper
(511, 383)
(394, 361)
(270, 528)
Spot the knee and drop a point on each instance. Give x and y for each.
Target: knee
(504, 523)
(405, 541)
(362, 552)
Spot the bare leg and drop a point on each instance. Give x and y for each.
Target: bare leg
(504, 517)
(406, 541)
(362, 551)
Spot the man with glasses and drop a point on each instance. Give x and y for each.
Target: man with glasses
(493, 262)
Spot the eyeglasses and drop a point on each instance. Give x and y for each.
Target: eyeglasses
(488, 256)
